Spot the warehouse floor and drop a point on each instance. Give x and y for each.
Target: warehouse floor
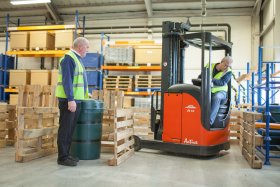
(146, 168)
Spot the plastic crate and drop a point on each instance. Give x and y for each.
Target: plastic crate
(93, 78)
(2, 77)
(2, 94)
(10, 62)
(92, 60)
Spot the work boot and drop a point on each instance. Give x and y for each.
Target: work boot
(67, 162)
(74, 158)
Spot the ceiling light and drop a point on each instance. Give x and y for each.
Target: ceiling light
(24, 2)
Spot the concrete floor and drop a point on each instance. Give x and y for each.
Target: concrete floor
(146, 168)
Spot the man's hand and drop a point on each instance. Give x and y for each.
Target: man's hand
(72, 106)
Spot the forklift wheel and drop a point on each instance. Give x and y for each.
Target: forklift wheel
(137, 143)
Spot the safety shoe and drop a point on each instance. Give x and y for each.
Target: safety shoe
(74, 158)
(67, 162)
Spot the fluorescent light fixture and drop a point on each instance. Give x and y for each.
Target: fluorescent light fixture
(25, 2)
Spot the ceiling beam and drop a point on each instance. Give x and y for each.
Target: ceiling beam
(149, 8)
(257, 7)
(54, 14)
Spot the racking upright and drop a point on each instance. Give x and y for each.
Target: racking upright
(269, 82)
(37, 53)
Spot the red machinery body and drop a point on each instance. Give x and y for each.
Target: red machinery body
(182, 122)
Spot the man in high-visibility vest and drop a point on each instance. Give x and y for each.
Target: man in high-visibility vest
(221, 75)
(71, 89)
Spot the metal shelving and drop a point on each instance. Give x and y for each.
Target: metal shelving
(271, 87)
(38, 54)
(46, 53)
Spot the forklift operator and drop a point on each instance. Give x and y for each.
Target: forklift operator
(221, 75)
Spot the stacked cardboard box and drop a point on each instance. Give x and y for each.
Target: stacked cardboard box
(41, 40)
(19, 40)
(64, 39)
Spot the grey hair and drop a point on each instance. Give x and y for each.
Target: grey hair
(227, 59)
(80, 41)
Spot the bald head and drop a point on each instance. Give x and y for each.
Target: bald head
(228, 60)
(225, 63)
(81, 45)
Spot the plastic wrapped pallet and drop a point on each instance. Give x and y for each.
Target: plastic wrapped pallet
(119, 55)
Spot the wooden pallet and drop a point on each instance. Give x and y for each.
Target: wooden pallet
(250, 139)
(111, 99)
(37, 96)
(118, 83)
(243, 77)
(234, 125)
(244, 106)
(147, 64)
(39, 49)
(3, 134)
(11, 124)
(62, 48)
(3, 129)
(121, 120)
(19, 49)
(147, 85)
(36, 132)
(147, 81)
(148, 77)
(142, 123)
(117, 63)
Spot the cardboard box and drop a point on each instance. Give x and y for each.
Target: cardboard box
(19, 40)
(41, 40)
(54, 77)
(13, 99)
(19, 77)
(64, 38)
(148, 55)
(40, 77)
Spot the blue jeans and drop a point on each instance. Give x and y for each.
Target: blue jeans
(217, 99)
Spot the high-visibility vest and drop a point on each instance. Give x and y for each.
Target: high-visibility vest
(218, 76)
(78, 82)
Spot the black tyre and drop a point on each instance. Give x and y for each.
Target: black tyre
(137, 143)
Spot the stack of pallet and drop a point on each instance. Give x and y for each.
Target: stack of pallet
(3, 130)
(8, 125)
(30, 77)
(251, 139)
(117, 126)
(118, 83)
(147, 82)
(121, 121)
(37, 122)
(142, 123)
(234, 125)
(11, 124)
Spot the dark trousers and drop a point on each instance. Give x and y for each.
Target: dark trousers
(217, 99)
(67, 124)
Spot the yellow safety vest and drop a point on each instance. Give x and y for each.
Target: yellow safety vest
(219, 76)
(78, 82)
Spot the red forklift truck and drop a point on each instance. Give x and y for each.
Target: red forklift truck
(181, 122)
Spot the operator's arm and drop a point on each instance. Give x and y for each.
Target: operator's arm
(223, 81)
(68, 68)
